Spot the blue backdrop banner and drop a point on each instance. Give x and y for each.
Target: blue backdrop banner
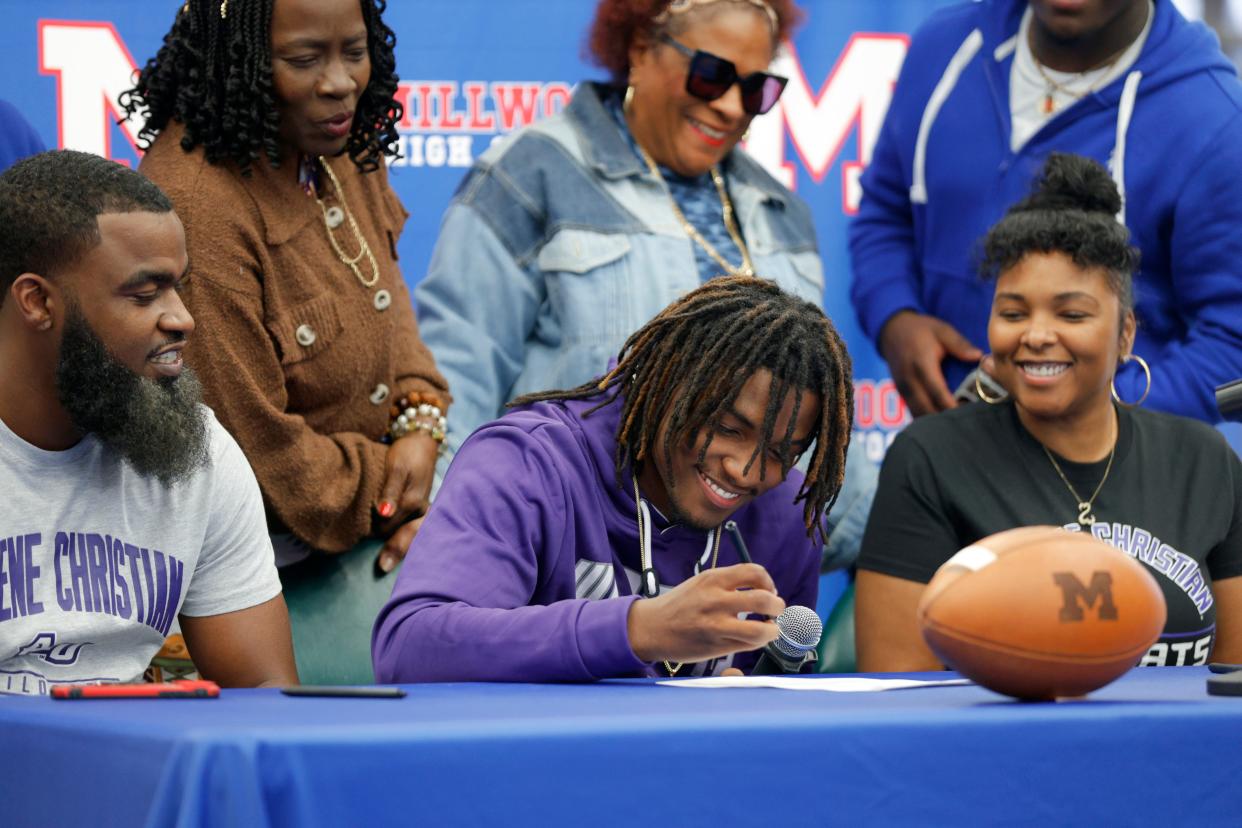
(475, 70)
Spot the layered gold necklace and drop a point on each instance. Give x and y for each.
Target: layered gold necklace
(747, 268)
(332, 218)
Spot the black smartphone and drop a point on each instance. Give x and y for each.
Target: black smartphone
(1225, 684)
(361, 692)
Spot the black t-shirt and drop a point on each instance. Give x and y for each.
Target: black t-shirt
(1173, 501)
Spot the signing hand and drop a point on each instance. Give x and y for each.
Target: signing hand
(914, 345)
(698, 619)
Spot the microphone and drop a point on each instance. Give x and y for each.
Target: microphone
(800, 629)
(1229, 399)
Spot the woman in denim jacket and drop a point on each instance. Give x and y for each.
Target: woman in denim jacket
(574, 232)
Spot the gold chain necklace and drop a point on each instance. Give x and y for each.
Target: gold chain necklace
(644, 558)
(1054, 86)
(1085, 518)
(730, 222)
(364, 249)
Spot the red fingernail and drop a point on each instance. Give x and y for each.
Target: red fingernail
(386, 509)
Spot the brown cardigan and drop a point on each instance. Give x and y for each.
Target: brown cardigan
(290, 347)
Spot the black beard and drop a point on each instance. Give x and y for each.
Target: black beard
(157, 426)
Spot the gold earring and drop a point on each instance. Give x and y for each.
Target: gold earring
(1146, 372)
(629, 99)
(224, 9)
(1000, 398)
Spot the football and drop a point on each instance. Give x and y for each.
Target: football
(1041, 613)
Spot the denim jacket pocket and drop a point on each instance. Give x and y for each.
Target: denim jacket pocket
(581, 251)
(306, 329)
(589, 280)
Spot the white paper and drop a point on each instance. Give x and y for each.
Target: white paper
(849, 684)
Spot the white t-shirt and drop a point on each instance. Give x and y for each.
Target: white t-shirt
(96, 561)
(1029, 89)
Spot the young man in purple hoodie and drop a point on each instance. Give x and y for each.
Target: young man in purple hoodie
(579, 537)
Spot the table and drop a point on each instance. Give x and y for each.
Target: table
(1152, 748)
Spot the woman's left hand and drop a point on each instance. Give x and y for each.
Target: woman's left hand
(398, 543)
(410, 468)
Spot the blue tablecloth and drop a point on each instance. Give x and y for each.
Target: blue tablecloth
(1152, 748)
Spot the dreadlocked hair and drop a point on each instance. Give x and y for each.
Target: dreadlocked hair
(214, 76)
(688, 365)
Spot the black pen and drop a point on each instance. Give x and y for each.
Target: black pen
(738, 544)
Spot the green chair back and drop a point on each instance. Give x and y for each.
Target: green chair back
(333, 602)
(836, 646)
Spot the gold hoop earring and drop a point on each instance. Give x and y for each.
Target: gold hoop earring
(628, 100)
(1000, 398)
(1146, 372)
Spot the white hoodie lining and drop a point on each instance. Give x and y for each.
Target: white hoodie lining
(948, 81)
(1125, 109)
(964, 55)
(1005, 49)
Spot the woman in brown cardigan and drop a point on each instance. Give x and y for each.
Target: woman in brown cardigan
(269, 122)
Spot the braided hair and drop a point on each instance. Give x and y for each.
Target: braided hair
(214, 75)
(688, 364)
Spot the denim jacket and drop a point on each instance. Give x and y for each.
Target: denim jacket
(560, 243)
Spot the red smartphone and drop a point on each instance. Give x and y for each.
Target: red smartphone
(183, 689)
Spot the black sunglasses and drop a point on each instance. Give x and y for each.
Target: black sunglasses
(711, 76)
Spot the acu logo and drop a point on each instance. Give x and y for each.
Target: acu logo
(44, 646)
(1077, 596)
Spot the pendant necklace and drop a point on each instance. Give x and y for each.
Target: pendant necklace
(1052, 86)
(1085, 516)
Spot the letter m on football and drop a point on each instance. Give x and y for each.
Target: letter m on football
(1077, 596)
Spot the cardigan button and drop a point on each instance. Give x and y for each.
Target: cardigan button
(383, 299)
(333, 216)
(305, 335)
(379, 395)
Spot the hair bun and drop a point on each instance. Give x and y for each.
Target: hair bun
(1072, 182)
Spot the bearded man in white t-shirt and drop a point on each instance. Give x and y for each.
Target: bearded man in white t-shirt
(125, 504)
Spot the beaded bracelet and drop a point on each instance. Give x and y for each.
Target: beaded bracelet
(417, 411)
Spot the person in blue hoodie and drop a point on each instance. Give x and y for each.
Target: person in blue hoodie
(18, 138)
(579, 536)
(987, 91)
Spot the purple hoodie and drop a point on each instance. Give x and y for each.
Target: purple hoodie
(526, 567)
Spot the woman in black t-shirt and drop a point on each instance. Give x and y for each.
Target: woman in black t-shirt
(1164, 489)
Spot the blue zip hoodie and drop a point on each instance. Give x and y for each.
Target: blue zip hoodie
(1169, 130)
(525, 568)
